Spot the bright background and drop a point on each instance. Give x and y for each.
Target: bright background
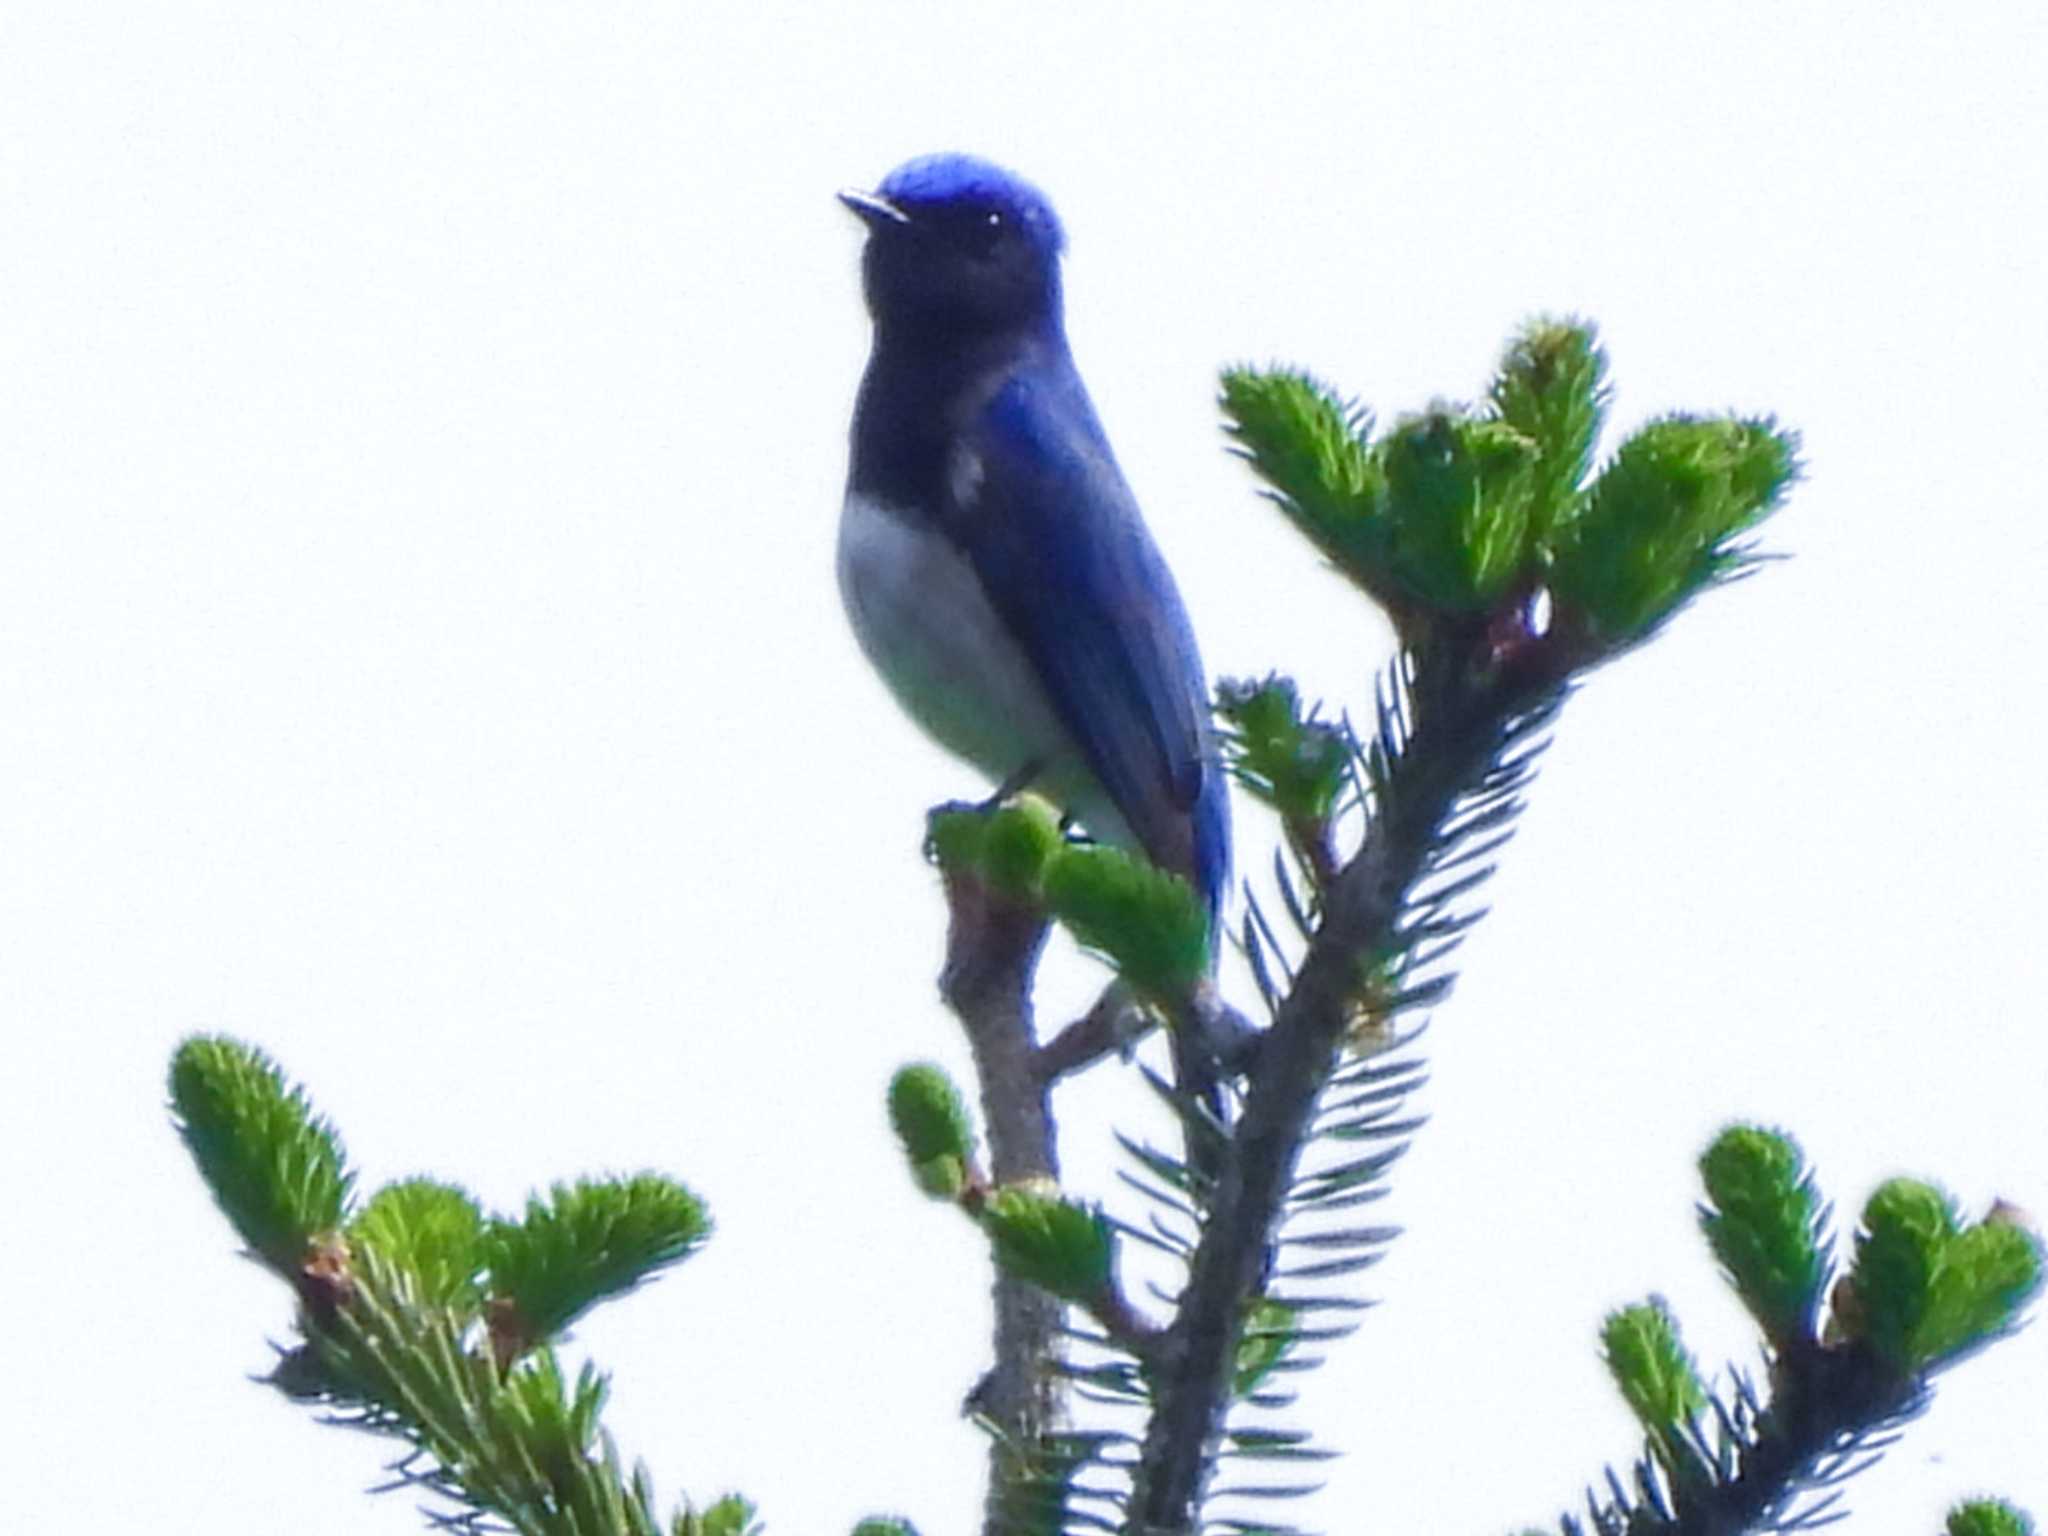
(421, 435)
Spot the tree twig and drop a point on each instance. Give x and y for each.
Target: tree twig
(1116, 1021)
(1459, 734)
(992, 949)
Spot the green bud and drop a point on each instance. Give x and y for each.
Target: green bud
(1297, 764)
(885, 1525)
(1987, 1273)
(931, 1123)
(1311, 448)
(1761, 1222)
(1051, 1242)
(1023, 836)
(1552, 388)
(585, 1242)
(1657, 525)
(1458, 496)
(1907, 1226)
(953, 837)
(942, 1178)
(1006, 847)
(275, 1169)
(1988, 1517)
(429, 1231)
(1927, 1287)
(1656, 1376)
(1147, 923)
(729, 1516)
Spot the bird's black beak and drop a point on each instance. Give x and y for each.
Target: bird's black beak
(873, 211)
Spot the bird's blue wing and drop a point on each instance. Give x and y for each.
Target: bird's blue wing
(1039, 506)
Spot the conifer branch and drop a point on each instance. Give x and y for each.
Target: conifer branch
(992, 947)
(1925, 1290)
(1507, 574)
(1459, 737)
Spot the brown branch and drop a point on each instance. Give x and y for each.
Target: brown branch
(992, 949)
(1115, 1022)
(1128, 1328)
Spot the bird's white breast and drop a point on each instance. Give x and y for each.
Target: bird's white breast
(925, 622)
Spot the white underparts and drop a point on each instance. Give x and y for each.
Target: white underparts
(925, 622)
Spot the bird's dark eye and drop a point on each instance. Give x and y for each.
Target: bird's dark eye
(984, 231)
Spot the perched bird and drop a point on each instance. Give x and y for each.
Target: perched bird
(991, 557)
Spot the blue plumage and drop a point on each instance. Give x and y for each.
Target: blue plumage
(991, 555)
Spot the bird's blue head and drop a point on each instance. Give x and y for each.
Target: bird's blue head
(958, 247)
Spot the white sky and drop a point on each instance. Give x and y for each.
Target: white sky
(421, 436)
